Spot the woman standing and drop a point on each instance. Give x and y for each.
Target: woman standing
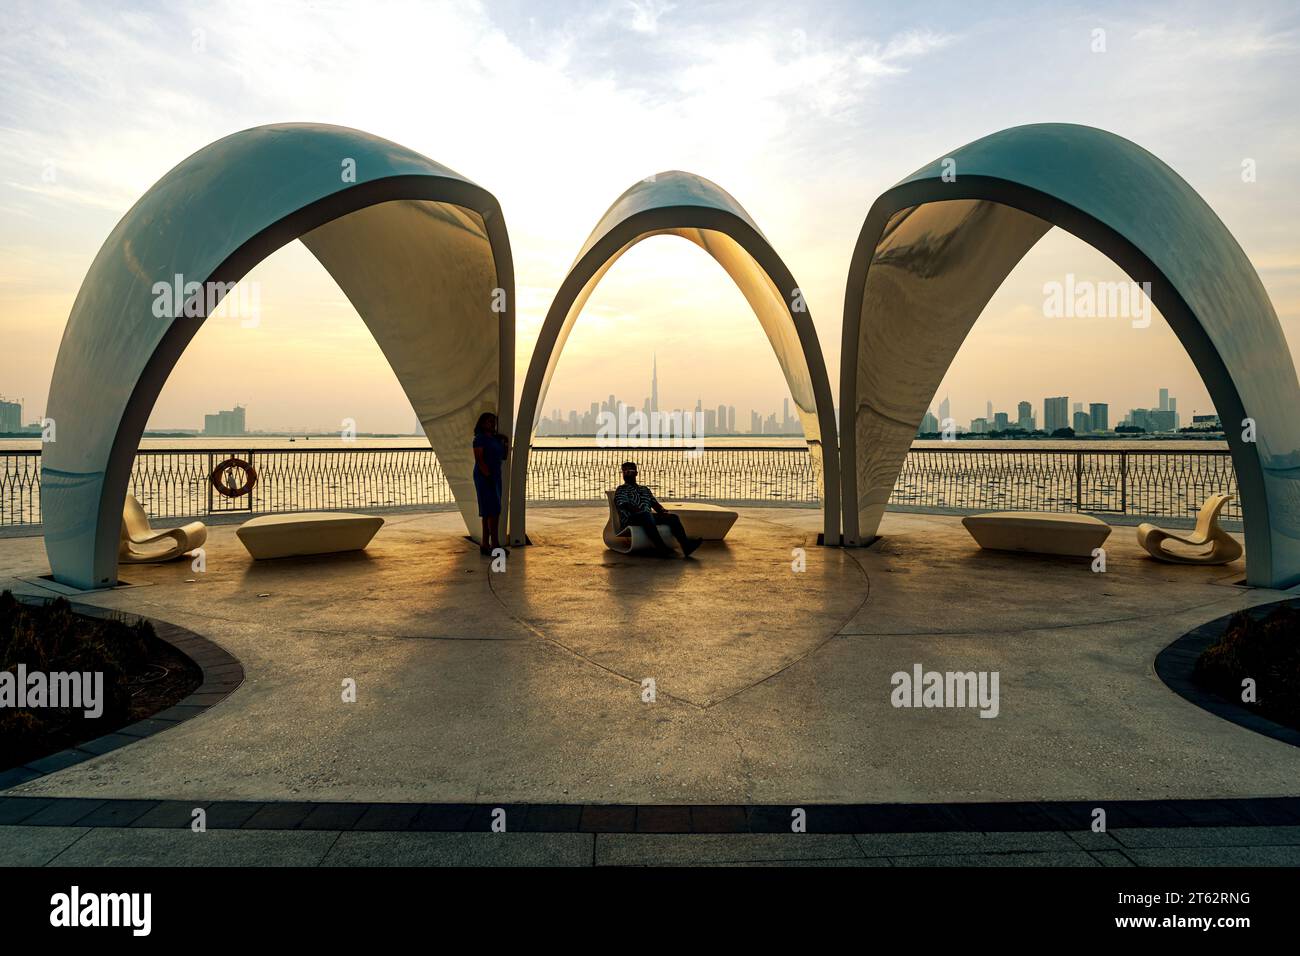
(490, 450)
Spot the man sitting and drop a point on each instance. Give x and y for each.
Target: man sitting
(637, 505)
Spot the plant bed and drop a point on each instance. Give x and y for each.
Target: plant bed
(137, 675)
(1265, 649)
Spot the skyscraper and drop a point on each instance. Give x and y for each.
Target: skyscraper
(1025, 416)
(1164, 399)
(945, 411)
(654, 384)
(988, 411)
(11, 416)
(1100, 415)
(1056, 413)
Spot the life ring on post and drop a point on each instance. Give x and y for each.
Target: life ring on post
(222, 477)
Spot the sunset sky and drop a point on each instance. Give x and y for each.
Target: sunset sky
(805, 116)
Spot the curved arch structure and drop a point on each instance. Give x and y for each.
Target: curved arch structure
(681, 204)
(421, 252)
(936, 246)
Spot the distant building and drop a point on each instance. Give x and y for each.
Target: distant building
(731, 419)
(979, 426)
(1099, 412)
(929, 424)
(1162, 420)
(225, 423)
(1056, 413)
(945, 410)
(1082, 423)
(1025, 416)
(1001, 422)
(1164, 400)
(11, 416)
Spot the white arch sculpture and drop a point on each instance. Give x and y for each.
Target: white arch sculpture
(422, 253)
(682, 204)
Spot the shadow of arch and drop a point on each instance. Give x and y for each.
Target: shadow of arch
(421, 252)
(935, 247)
(682, 204)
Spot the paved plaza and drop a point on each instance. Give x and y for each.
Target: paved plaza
(771, 685)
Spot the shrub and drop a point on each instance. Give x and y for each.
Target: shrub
(1266, 650)
(52, 638)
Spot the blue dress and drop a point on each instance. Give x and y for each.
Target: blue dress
(488, 487)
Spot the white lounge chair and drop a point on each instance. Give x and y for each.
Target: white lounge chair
(141, 544)
(1213, 544)
(633, 539)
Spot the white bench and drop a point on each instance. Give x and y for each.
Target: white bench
(1038, 532)
(288, 535)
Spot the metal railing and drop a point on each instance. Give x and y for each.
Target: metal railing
(173, 483)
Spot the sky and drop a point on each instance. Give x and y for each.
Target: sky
(803, 112)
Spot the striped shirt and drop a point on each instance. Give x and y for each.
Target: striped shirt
(633, 499)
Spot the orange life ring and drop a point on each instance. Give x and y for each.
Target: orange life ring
(224, 486)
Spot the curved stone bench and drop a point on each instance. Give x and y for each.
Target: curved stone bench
(288, 535)
(1038, 532)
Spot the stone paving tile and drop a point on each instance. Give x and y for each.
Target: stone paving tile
(145, 847)
(230, 814)
(278, 816)
(1208, 836)
(117, 813)
(63, 812)
(1216, 856)
(1051, 858)
(874, 861)
(35, 846)
(605, 819)
(388, 816)
(1111, 858)
(1089, 840)
(461, 849)
(18, 809)
(334, 816)
(560, 818)
(108, 742)
(718, 819)
(923, 844)
(622, 849)
(59, 760)
(170, 813)
(663, 820)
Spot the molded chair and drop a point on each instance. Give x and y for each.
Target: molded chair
(141, 544)
(1216, 545)
(633, 539)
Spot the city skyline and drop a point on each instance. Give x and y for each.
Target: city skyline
(847, 85)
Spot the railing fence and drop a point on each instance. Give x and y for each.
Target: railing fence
(174, 483)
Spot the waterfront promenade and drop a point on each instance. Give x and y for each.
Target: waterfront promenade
(772, 689)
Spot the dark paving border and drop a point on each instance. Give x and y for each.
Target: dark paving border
(1175, 664)
(631, 818)
(222, 674)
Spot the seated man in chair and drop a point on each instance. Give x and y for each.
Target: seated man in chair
(637, 505)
